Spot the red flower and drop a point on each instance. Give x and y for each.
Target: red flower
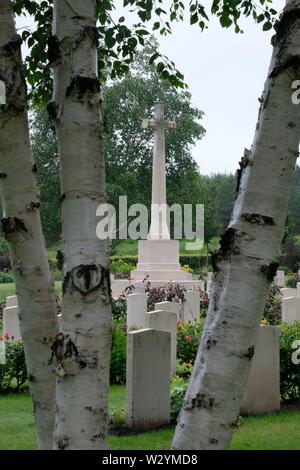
(187, 339)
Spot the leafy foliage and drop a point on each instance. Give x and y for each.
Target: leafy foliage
(119, 39)
(118, 355)
(119, 308)
(293, 281)
(188, 340)
(6, 277)
(13, 374)
(170, 293)
(45, 155)
(178, 389)
(272, 312)
(120, 266)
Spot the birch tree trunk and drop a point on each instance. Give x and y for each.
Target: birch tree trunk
(22, 228)
(81, 353)
(247, 260)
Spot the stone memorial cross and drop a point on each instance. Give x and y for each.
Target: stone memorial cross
(159, 228)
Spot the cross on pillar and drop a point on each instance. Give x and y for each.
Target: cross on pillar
(159, 228)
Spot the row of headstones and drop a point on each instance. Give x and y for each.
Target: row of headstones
(279, 280)
(290, 305)
(148, 377)
(151, 359)
(164, 317)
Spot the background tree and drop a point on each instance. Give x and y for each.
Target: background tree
(45, 156)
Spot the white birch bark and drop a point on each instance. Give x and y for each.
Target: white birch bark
(81, 353)
(22, 227)
(246, 262)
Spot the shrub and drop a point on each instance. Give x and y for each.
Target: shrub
(178, 390)
(119, 308)
(170, 293)
(289, 372)
(195, 262)
(183, 369)
(204, 303)
(120, 266)
(272, 312)
(290, 256)
(13, 374)
(292, 281)
(118, 355)
(188, 340)
(6, 277)
(186, 268)
(132, 260)
(4, 261)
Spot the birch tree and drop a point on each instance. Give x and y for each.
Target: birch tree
(22, 228)
(81, 352)
(247, 260)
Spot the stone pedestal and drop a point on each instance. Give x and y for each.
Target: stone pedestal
(148, 379)
(159, 260)
(263, 388)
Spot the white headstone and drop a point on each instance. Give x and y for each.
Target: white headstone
(166, 321)
(290, 310)
(190, 306)
(288, 292)
(148, 379)
(11, 301)
(263, 388)
(169, 307)
(279, 280)
(11, 324)
(210, 276)
(136, 311)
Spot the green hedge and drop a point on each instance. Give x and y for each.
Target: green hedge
(193, 261)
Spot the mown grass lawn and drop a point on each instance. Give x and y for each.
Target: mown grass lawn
(9, 289)
(269, 432)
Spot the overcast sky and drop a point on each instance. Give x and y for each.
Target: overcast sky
(225, 73)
